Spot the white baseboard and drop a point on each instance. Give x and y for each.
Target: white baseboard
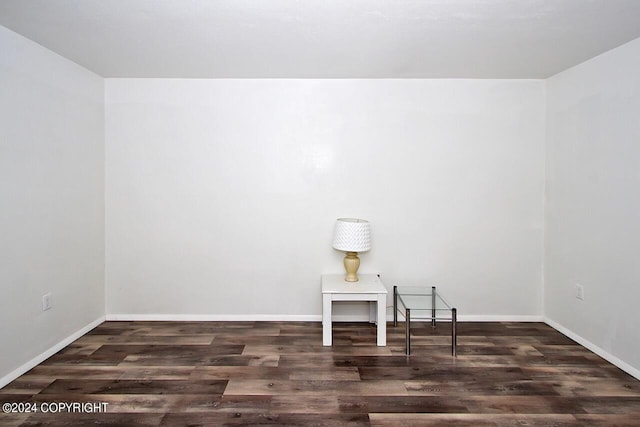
(49, 352)
(500, 318)
(594, 348)
(216, 317)
(296, 318)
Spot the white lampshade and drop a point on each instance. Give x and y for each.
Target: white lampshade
(352, 235)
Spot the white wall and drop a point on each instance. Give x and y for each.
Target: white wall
(52, 200)
(593, 202)
(221, 194)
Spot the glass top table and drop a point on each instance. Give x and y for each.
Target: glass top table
(423, 303)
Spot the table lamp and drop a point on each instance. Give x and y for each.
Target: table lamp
(352, 235)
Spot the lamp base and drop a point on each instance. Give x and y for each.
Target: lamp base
(351, 265)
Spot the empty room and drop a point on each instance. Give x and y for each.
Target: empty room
(287, 212)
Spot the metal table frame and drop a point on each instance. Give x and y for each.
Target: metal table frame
(434, 298)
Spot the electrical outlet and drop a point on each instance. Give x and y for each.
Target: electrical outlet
(579, 291)
(46, 301)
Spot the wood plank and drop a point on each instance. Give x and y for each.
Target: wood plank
(304, 404)
(202, 360)
(442, 373)
(400, 404)
(167, 387)
(481, 387)
(109, 372)
(83, 420)
(99, 340)
(207, 403)
(316, 387)
(517, 404)
(473, 420)
(27, 385)
(255, 349)
(244, 419)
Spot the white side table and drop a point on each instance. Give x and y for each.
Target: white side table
(368, 288)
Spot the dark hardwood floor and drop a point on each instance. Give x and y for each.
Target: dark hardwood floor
(278, 373)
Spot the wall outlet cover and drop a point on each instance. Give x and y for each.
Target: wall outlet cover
(46, 302)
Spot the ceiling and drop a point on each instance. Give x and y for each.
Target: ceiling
(325, 38)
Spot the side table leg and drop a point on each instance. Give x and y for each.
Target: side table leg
(326, 320)
(382, 319)
(407, 330)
